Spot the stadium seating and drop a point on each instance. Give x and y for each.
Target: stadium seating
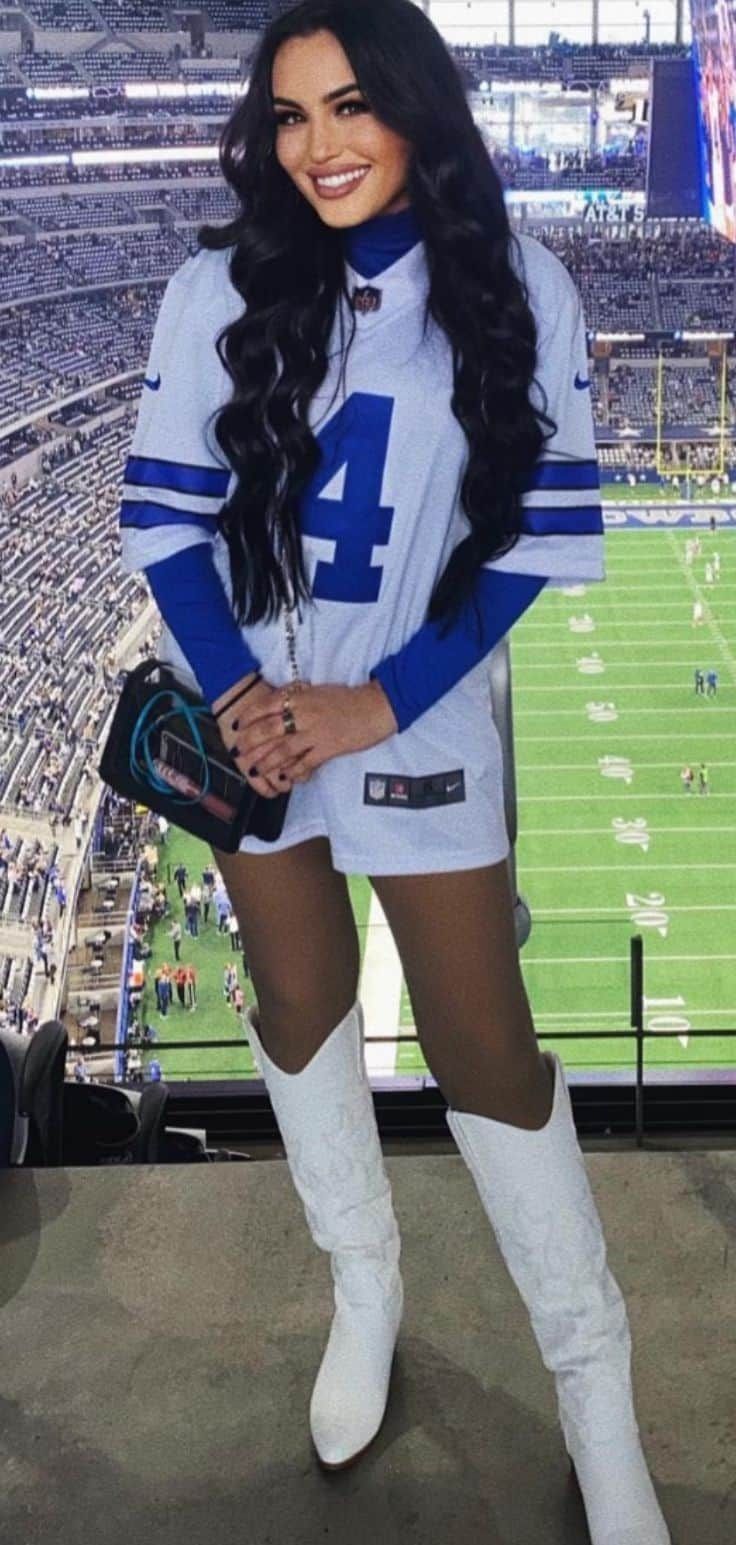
(84, 255)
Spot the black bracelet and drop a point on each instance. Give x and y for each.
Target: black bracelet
(238, 695)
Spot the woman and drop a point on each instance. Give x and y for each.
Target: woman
(416, 521)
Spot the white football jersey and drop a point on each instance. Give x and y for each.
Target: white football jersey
(378, 524)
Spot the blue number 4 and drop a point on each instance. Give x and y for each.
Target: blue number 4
(356, 438)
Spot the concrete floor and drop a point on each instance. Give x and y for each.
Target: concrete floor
(162, 1328)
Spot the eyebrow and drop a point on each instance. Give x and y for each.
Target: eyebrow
(331, 96)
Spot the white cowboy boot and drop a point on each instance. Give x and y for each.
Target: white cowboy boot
(535, 1191)
(328, 1124)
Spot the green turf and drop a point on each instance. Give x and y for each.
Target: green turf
(588, 892)
(585, 886)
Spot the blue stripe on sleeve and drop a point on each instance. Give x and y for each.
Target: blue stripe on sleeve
(179, 476)
(145, 513)
(420, 673)
(561, 520)
(191, 598)
(563, 475)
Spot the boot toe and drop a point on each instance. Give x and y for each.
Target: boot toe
(350, 1395)
(342, 1426)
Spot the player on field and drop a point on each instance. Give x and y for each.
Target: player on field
(687, 776)
(700, 682)
(697, 613)
(703, 779)
(712, 683)
(396, 431)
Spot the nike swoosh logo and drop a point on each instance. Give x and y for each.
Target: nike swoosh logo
(581, 385)
(154, 385)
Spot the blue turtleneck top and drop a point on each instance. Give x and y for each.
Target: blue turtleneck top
(191, 599)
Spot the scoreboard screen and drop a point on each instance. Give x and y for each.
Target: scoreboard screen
(714, 58)
(675, 165)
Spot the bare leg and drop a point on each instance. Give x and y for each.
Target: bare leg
(299, 936)
(455, 935)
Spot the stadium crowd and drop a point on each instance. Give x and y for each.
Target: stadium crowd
(66, 233)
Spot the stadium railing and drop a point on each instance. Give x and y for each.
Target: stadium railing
(659, 1095)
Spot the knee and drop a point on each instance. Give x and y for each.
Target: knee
(295, 1013)
(293, 1029)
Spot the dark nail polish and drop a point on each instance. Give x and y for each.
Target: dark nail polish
(253, 772)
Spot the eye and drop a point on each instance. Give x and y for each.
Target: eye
(282, 119)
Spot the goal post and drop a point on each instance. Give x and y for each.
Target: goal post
(667, 466)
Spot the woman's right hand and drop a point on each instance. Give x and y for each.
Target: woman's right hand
(261, 701)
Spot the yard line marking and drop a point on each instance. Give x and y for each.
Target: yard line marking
(565, 634)
(557, 623)
(380, 986)
(598, 685)
(603, 1014)
(522, 740)
(599, 960)
(586, 913)
(631, 797)
(676, 589)
(590, 766)
(525, 869)
(648, 556)
(636, 606)
(618, 665)
(559, 713)
(605, 831)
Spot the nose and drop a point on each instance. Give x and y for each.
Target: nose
(323, 145)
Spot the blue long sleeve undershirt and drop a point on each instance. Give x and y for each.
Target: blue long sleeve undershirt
(191, 599)
(426, 667)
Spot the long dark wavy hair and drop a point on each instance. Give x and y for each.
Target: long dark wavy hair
(289, 268)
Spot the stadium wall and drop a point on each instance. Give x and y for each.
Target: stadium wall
(230, 43)
(152, 42)
(56, 42)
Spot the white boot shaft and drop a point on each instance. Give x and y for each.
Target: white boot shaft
(328, 1124)
(535, 1191)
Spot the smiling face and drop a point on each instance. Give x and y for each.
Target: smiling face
(317, 138)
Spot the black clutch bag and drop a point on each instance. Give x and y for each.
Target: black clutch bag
(165, 751)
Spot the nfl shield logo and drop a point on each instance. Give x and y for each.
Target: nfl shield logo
(366, 299)
(377, 788)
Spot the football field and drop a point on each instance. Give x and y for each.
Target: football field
(610, 843)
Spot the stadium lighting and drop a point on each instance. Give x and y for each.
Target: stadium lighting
(57, 93)
(57, 160)
(574, 200)
(140, 156)
(147, 91)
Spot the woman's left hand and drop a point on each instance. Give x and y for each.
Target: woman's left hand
(330, 721)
